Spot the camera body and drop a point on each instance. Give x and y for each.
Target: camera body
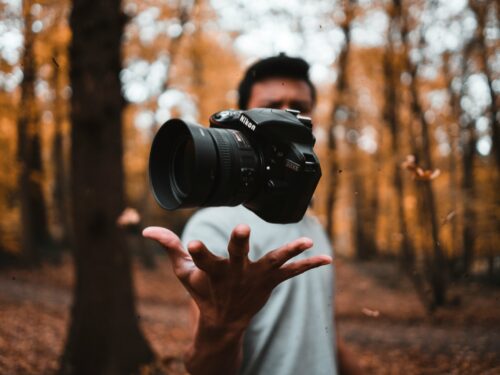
(260, 157)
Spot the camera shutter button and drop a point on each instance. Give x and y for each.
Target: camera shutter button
(293, 111)
(305, 121)
(224, 115)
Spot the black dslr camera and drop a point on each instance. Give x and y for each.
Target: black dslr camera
(262, 158)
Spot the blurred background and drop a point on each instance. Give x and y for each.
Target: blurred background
(408, 134)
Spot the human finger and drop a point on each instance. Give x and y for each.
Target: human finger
(290, 270)
(280, 256)
(170, 241)
(204, 258)
(238, 245)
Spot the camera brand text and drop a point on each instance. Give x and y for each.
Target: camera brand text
(247, 122)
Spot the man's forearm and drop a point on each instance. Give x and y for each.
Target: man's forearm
(215, 350)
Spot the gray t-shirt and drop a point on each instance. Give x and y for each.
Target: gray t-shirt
(294, 332)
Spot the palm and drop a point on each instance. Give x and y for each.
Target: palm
(231, 290)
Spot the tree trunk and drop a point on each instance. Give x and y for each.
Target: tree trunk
(468, 188)
(468, 138)
(454, 134)
(364, 223)
(392, 88)
(480, 9)
(428, 207)
(340, 92)
(104, 335)
(60, 187)
(333, 183)
(34, 228)
(435, 261)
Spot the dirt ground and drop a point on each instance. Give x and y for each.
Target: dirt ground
(378, 316)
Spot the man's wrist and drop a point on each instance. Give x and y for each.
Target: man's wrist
(215, 347)
(219, 333)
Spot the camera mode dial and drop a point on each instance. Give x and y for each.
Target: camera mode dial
(225, 116)
(305, 120)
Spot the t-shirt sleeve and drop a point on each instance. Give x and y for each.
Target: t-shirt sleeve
(210, 229)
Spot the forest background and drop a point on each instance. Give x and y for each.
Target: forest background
(407, 129)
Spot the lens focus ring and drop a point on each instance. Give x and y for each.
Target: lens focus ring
(223, 140)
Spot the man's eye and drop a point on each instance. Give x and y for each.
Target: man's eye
(302, 107)
(274, 105)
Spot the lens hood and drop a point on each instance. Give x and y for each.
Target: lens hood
(182, 164)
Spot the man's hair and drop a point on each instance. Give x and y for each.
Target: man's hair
(281, 66)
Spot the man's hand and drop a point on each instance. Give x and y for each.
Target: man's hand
(229, 292)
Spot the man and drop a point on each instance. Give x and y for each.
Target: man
(257, 309)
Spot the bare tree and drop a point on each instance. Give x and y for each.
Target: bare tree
(480, 9)
(35, 235)
(453, 129)
(392, 91)
(340, 92)
(60, 188)
(365, 200)
(468, 140)
(104, 335)
(434, 260)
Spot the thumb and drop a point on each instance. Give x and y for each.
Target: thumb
(170, 241)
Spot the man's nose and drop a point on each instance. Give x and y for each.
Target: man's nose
(285, 105)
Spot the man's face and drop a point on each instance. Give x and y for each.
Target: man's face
(282, 93)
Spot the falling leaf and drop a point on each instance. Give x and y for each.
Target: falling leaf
(418, 173)
(370, 312)
(449, 217)
(129, 216)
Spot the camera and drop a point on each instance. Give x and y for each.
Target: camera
(260, 157)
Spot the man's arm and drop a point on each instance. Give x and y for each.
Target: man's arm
(199, 355)
(229, 292)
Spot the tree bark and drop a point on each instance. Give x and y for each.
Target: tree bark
(104, 335)
(35, 238)
(60, 187)
(340, 92)
(480, 9)
(436, 265)
(464, 240)
(453, 131)
(392, 88)
(435, 262)
(468, 188)
(468, 139)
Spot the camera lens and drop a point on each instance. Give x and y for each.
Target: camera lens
(193, 166)
(183, 166)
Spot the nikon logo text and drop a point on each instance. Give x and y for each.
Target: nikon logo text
(247, 122)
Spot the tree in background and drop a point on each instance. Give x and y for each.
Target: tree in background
(345, 113)
(56, 39)
(341, 88)
(487, 14)
(60, 188)
(482, 9)
(104, 335)
(392, 89)
(419, 127)
(35, 236)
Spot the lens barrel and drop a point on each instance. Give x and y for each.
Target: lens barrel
(193, 166)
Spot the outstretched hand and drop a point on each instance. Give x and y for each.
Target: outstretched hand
(229, 292)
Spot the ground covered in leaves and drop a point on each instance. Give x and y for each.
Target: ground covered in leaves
(378, 316)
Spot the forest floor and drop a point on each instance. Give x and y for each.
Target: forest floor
(378, 315)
